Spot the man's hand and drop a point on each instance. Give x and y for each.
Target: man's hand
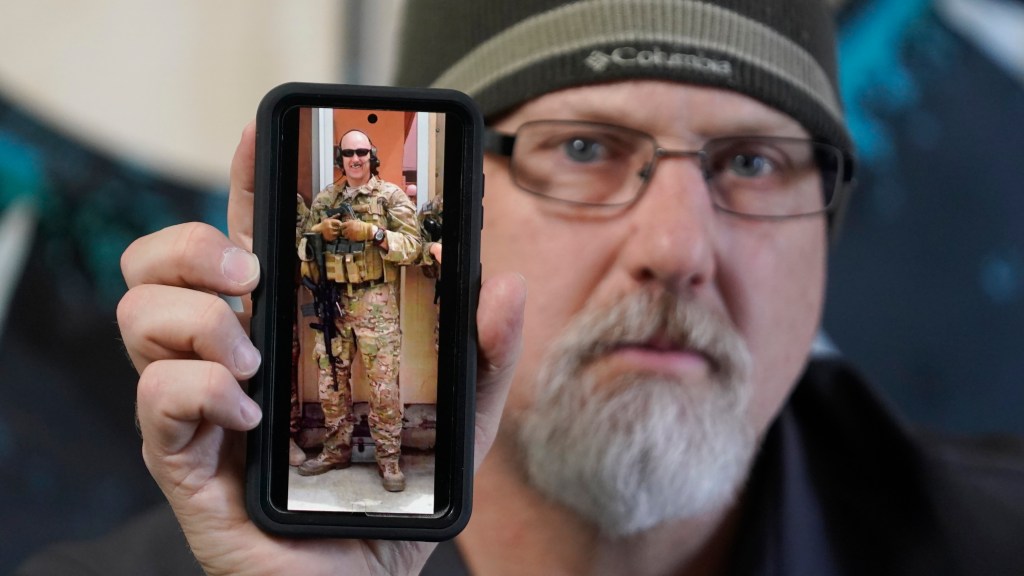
(192, 351)
(357, 230)
(435, 251)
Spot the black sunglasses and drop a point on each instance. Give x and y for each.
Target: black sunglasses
(348, 152)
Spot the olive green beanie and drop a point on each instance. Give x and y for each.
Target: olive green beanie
(505, 52)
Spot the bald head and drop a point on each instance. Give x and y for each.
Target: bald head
(356, 150)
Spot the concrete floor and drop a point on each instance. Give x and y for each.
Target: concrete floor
(358, 488)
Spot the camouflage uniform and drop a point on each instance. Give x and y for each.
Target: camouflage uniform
(368, 319)
(432, 210)
(301, 218)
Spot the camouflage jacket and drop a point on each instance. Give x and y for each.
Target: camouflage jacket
(301, 217)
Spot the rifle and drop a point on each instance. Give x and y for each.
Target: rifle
(325, 300)
(324, 290)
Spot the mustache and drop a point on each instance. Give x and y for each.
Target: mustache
(658, 319)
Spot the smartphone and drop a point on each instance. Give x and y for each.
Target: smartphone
(367, 227)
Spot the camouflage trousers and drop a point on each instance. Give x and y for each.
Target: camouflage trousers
(368, 323)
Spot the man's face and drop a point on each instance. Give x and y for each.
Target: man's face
(764, 278)
(357, 168)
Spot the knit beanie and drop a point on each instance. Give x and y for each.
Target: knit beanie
(505, 52)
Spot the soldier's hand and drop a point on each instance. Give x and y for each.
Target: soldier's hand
(357, 230)
(435, 251)
(192, 351)
(329, 228)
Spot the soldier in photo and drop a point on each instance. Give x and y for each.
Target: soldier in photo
(360, 231)
(431, 219)
(296, 456)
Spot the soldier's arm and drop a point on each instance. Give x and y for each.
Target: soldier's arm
(427, 252)
(301, 218)
(318, 212)
(402, 238)
(318, 209)
(425, 259)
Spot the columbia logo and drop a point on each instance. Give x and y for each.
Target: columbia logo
(597, 61)
(630, 57)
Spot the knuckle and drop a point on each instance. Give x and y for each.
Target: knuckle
(215, 317)
(127, 258)
(131, 305)
(214, 381)
(193, 241)
(149, 394)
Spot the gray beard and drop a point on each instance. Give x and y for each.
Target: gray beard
(631, 452)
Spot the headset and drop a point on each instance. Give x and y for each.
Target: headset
(374, 161)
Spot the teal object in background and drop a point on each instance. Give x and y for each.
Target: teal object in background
(871, 65)
(926, 284)
(69, 451)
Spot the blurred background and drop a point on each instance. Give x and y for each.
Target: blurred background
(119, 117)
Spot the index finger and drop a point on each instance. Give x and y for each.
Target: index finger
(190, 255)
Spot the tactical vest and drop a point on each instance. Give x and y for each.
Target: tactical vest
(358, 262)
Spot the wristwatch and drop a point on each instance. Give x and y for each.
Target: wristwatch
(378, 236)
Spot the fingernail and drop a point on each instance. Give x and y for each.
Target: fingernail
(251, 413)
(239, 266)
(246, 356)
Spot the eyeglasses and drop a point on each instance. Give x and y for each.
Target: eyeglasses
(594, 164)
(348, 152)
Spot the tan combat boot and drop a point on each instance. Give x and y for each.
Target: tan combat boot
(393, 479)
(326, 461)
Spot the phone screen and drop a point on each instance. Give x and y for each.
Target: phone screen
(368, 234)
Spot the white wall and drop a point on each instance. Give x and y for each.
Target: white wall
(170, 84)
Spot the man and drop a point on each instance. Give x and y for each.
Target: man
(431, 218)
(296, 455)
(381, 235)
(665, 176)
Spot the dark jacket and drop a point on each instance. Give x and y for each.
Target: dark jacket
(840, 486)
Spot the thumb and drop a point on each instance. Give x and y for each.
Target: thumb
(243, 182)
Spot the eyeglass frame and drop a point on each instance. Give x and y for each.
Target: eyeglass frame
(503, 144)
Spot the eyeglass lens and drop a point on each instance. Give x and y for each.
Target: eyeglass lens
(599, 164)
(348, 152)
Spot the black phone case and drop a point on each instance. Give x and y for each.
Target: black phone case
(273, 301)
